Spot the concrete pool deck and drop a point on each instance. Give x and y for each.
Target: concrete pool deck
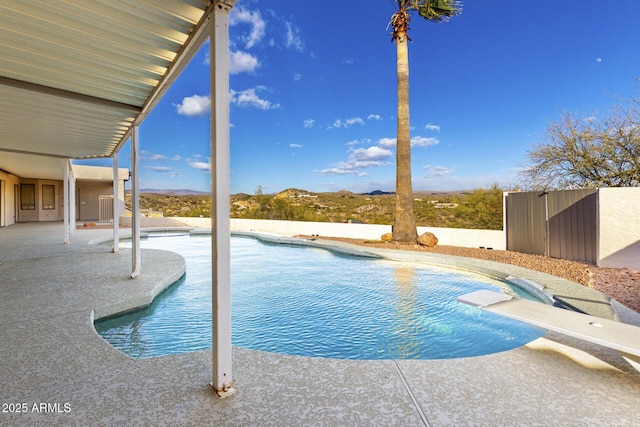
(54, 364)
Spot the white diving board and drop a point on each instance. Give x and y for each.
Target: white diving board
(609, 333)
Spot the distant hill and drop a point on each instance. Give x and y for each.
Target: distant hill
(462, 209)
(173, 192)
(379, 193)
(294, 192)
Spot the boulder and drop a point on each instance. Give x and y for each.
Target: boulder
(428, 239)
(386, 237)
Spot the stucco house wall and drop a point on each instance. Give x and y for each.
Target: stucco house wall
(619, 227)
(93, 182)
(87, 195)
(8, 200)
(39, 212)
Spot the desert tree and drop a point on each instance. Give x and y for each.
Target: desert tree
(404, 225)
(480, 209)
(588, 152)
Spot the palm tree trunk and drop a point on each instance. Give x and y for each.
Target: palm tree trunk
(404, 228)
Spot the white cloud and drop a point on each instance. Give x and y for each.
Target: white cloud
(297, 77)
(431, 126)
(296, 145)
(360, 158)
(176, 157)
(309, 123)
(249, 98)
(374, 117)
(421, 141)
(341, 169)
(387, 142)
(240, 15)
(292, 37)
(436, 171)
(347, 123)
(370, 154)
(158, 168)
(242, 62)
(196, 105)
(416, 141)
(203, 166)
(158, 157)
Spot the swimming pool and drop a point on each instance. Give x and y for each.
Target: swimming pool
(314, 302)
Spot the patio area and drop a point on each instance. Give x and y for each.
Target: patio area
(57, 370)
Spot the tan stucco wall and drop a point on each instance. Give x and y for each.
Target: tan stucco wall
(91, 182)
(98, 173)
(88, 193)
(40, 214)
(619, 227)
(7, 198)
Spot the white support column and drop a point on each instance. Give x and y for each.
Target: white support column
(135, 205)
(72, 200)
(65, 198)
(116, 205)
(220, 193)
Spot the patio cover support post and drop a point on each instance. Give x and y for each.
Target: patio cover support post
(135, 205)
(220, 193)
(65, 199)
(116, 205)
(72, 200)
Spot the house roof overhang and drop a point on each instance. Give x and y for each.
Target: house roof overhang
(76, 76)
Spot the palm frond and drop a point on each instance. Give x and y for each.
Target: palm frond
(436, 10)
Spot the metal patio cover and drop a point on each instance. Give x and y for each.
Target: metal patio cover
(76, 75)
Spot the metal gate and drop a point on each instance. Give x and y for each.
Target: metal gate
(105, 208)
(559, 224)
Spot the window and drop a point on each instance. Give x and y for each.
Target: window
(48, 197)
(27, 197)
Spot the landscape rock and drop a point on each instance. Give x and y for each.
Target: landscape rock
(386, 237)
(428, 239)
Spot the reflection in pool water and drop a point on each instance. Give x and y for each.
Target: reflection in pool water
(313, 302)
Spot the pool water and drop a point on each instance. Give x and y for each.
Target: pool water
(313, 302)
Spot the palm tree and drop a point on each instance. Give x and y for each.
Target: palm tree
(404, 227)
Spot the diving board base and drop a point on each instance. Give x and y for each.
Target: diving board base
(609, 333)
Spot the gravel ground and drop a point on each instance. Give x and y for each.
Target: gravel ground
(622, 285)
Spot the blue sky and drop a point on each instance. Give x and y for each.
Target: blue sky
(313, 93)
